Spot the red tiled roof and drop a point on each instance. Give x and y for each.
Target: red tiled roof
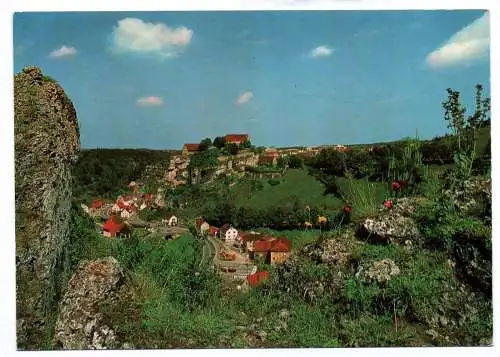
(213, 230)
(273, 153)
(255, 279)
(147, 196)
(112, 225)
(282, 244)
(262, 246)
(233, 138)
(248, 237)
(121, 204)
(192, 147)
(271, 244)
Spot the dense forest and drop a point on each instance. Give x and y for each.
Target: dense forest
(105, 172)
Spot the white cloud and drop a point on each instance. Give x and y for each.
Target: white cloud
(149, 101)
(321, 51)
(245, 97)
(63, 51)
(135, 35)
(470, 43)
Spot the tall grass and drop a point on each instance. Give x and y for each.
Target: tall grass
(408, 165)
(365, 197)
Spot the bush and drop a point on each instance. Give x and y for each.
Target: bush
(295, 162)
(438, 150)
(150, 214)
(274, 182)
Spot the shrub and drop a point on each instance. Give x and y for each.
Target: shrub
(438, 150)
(295, 162)
(150, 214)
(274, 182)
(360, 163)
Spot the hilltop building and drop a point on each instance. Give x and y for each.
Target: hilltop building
(189, 149)
(237, 139)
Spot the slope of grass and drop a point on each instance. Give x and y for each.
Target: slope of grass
(296, 183)
(365, 197)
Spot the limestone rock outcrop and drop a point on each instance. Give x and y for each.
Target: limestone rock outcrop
(82, 322)
(46, 146)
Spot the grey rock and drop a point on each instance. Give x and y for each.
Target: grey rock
(381, 271)
(46, 146)
(388, 228)
(284, 314)
(433, 333)
(261, 335)
(443, 321)
(80, 324)
(486, 341)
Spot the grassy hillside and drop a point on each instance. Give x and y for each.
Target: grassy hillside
(296, 183)
(299, 184)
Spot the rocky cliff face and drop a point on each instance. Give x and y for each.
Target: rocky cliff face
(177, 172)
(46, 146)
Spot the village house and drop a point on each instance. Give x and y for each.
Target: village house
(213, 231)
(269, 157)
(237, 139)
(125, 214)
(229, 235)
(341, 148)
(96, 204)
(112, 227)
(189, 149)
(258, 277)
(170, 220)
(198, 222)
(248, 239)
(204, 228)
(271, 249)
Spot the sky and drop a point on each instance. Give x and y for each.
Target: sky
(161, 79)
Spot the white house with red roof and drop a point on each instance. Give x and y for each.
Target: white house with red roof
(230, 235)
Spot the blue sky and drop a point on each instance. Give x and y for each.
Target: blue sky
(157, 80)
